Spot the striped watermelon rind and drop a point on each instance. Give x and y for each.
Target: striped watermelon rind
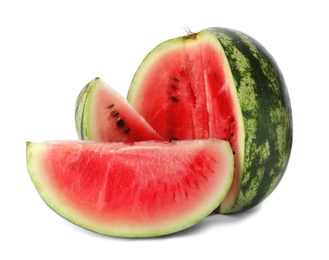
(81, 106)
(267, 116)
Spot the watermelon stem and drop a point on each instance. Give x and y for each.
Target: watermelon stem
(190, 34)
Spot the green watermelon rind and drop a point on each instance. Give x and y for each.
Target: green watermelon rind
(82, 111)
(267, 116)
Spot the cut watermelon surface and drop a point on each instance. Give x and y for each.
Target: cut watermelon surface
(190, 94)
(139, 189)
(189, 90)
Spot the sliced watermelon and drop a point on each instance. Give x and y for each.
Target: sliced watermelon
(102, 114)
(221, 83)
(139, 189)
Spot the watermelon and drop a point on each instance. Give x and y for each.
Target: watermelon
(221, 83)
(140, 189)
(102, 114)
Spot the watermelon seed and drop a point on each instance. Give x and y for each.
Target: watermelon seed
(126, 131)
(120, 122)
(173, 86)
(174, 99)
(114, 113)
(110, 106)
(173, 139)
(175, 79)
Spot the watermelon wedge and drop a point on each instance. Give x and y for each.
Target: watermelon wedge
(102, 114)
(141, 189)
(221, 83)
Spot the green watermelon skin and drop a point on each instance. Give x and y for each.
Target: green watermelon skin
(267, 116)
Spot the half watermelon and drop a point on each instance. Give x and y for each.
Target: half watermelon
(140, 189)
(221, 83)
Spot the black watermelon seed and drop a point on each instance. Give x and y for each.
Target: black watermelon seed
(114, 113)
(120, 122)
(126, 131)
(175, 79)
(110, 106)
(173, 139)
(174, 99)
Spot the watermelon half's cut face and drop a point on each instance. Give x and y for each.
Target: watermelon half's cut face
(102, 114)
(140, 189)
(220, 83)
(191, 94)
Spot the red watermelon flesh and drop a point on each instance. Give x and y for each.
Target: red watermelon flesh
(140, 189)
(190, 94)
(102, 114)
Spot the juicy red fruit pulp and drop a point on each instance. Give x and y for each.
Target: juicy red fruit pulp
(187, 92)
(188, 96)
(140, 186)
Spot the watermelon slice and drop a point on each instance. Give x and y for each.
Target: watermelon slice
(140, 189)
(102, 114)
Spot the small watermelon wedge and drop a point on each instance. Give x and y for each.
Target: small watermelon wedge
(102, 114)
(141, 189)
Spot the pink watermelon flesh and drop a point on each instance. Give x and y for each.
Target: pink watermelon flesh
(190, 95)
(102, 114)
(132, 190)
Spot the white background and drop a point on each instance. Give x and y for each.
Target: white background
(49, 51)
